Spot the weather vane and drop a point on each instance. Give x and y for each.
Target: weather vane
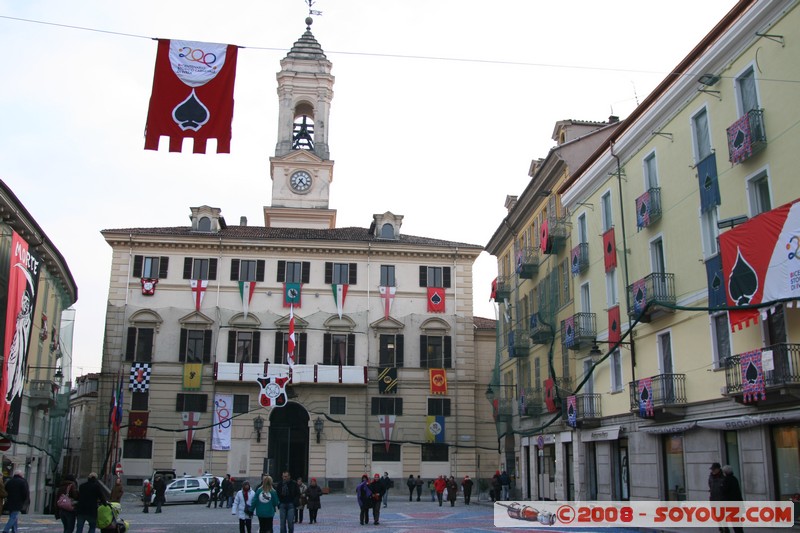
(312, 11)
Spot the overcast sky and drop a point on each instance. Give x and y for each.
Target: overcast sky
(439, 108)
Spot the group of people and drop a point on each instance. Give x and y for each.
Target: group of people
(287, 499)
(221, 493)
(159, 487)
(84, 500)
(724, 487)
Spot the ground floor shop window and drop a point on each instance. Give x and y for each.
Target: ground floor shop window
(675, 473)
(732, 453)
(786, 450)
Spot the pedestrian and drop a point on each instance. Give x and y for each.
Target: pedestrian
(452, 490)
(243, 503)
(412, 484)
(378, 490)
(18, 495)
(288, 494)
(90, 496)
(117, 491)
(466, 486)
(505, 485)
(440, 484)
(226, 486)
(388, 483)
(160, 488)
(147, 495)
(715, 483)
(231, 492)
(69, 489)
(731, 491)
(313, 500)
(266, 502)
(213, 492)
(432, 488)
(495, 492)
(419, 486)
(301, 501)
(364, 497)
(3, 495)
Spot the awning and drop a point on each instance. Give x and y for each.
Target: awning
(668, 428)
(605, 433)
(748, 421)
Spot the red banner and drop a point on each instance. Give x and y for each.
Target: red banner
(609, 250)
(137, 424)
(438, 377)
(435, 300)
(192, 95)
(614, 325)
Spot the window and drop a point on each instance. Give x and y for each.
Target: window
(244, 346)
(339, 349)
(379, 452)
(588, 387)
(583, 233)
(139, 401)
(435, 351)
(758, 193)
(247, 269)
(387, 406)
(387, 231)
(140, 344)
(338, 405)
(282, 347)
(702, 137)
(195, 403)
(195, 346)
(241, 403)
(387, 276)
(675, 478)
(612, 296)
(657, 260)
(150, 267)
(721, 339)
(341, 273)
(605, 211)
(199, 268)
(197, 451)
(616, 371)
(665, 353)
(294, 271)
(391, 351)
(710, 231)
(137, 449)
(565, 273)
(440, 276)
(586, 301)
(204, 224)
(650, 172)
(747, 96)
(435, 452)
(438, 407)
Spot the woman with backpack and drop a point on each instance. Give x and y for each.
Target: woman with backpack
(364, 497)
(66, 495)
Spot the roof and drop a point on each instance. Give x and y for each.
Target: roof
(484, 323)
(351, 234)
(307, 47)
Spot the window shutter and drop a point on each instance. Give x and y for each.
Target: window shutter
(234, 269)
(423, 276)
(351, 349)
(375, 406)
(352, 272)
(301, 348)
(448, 355)
(256, 347)
(163, 267)
(326, 349)
(278, 357)
(207, 337)
(398, 406)
(306, 271)
(281, 271)
(260, 268)
(446, 277)
(145, 340)
(130, 348)
(137, 266)
(212, 268)
(179, 402)
(328, 273)
(231, 346)
(423, 351)
(187, 268)
(398, 350)
(445, 407)
(182, 346)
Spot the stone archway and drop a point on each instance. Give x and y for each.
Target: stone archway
(288, 441)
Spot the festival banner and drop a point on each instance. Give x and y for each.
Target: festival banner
(716, 288)
(643, 210)
(192, 376)
(645, 391)
(139, 380)
(614, 325)
(753, 387)
(387, 380)
(149, 286)
(434, 429)
(569, 331)
(246, 290)
(291, 294)
(740, 146)
(387, 293)
(137, 424)
(190, 421)
(221, 432)
(708, 182)
(339, 294)
(438, 379)
(387, 423)
(291, 343)
(639, 296)
(436, 300)
(572, 411)
(198, 287)
(273, 391)
(609, 250)
(549, 395)
(544, 244)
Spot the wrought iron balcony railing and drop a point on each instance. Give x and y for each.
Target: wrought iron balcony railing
(663, 390)
(786, 371)
(578, 330)
(587, 407)
(657, 287)
(747, 136)
(519, 343)
(648, 208)
(579, 258)
(504, 287)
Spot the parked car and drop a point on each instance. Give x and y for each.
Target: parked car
(187, 490)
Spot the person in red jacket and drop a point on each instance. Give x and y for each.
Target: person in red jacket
(439, 485)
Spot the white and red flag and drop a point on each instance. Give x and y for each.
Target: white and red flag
(190, 420)
(387, 425)
(246, 289)
(291, 342)
(192, 95)
(199, 287)
(339, 294)
(387, 293)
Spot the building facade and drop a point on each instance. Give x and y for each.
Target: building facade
(296, 345)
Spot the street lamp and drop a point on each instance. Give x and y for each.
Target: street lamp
(318, 425)
(595, 352)
(58, 375)
(258, 425)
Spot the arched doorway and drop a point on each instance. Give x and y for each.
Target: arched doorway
(288, 441)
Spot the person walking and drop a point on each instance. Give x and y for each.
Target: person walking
(364, 498)
(68, 488)
(452, 491)
(466, 486)
(419, 487)
(243, 507)
(387, 484)
(266, 505)
(288, 494)
(313, 500)
(117, 491)
(18, 494)
(301, 501)
(213, 492)
(230, 493)
(439, 485)
(412, 484)
(731, 491)
(495, 492)
(90, 496)
(432, 488)
(160, 488)
(378, 490)
(505, 485)
(147, 495)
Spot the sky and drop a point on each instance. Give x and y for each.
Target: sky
(438, 110)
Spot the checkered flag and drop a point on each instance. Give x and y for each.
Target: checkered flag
(140, 377)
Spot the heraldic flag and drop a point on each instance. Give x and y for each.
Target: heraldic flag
(387, 426)
(387, 293)
(190, 420)
(192, 95)
(438, 377)
(192, 376)
(137, 424)
(199, 287)
(436, 300)
(246, 290)
(339, 294)
(434, 429)
(387, 380)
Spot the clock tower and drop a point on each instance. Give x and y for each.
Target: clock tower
(301, 169)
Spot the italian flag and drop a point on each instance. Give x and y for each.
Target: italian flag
(246, 289)
(339, 294)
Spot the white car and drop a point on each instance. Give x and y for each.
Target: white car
(187, 490)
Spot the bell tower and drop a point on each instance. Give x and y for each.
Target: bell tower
(301, 169)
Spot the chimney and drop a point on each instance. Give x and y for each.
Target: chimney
(613, 119)
(242, 221)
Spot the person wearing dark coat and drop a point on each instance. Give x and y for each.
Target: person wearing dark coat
(378, 490)
(411, 486)
(18, 496)
(452, 491)
(495, 492)
(715, 483)
(225, 488)
(731, 491)
(70, 488)
(160, 488)
(466, 485)
(90, 495)
(288, 498)
(313, 497)
(364, 498)
(419, 487)
(213, 492)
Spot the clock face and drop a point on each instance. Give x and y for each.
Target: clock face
(300, 181)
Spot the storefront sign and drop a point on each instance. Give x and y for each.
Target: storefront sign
(607, 433)
(748, 421)
(669, 428)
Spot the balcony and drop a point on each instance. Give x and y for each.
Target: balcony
(42, 393)
(519, 343)
(587, 411)
(781, 385)
(578, 331)
(747, 136)
(505, 408)
(648, 208)
(533, 402)
(503, 289)
(579, 258)
(300, 374)
(557, 234)
(663, 397)
(528, 263)
(539, 332)
(658, 288)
